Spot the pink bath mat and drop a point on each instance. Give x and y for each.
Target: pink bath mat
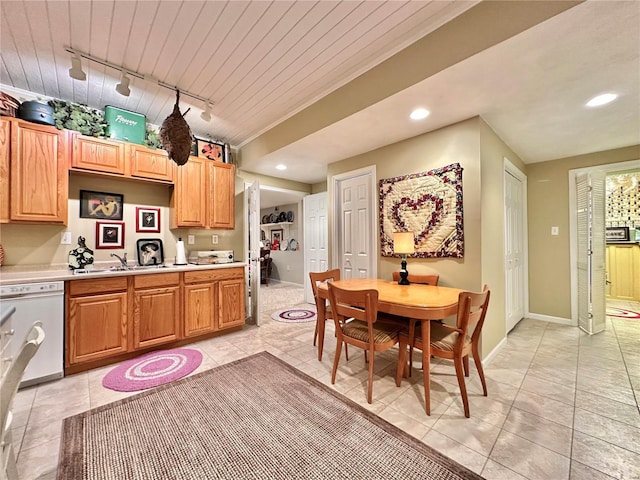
(152, 369)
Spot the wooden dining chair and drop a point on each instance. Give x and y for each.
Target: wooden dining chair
(9, 387)
(455, 342)
(355, 314)
(431, 279)
(318, 277)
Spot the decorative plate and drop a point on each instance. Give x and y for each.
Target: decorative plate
(282, 217)
(272, 218)
(284, 246)
(293, 244)
(265, 219)
(289, 216)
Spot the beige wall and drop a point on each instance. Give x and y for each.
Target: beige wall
(459, 143)
(548, 204)
(492, 153)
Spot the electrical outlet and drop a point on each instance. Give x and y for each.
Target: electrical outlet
(66, 238)
(191, 239)
(214, 239)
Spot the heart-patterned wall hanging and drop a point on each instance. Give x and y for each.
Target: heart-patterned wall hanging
(429, 204)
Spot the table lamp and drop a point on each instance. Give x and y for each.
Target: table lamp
(403, 244)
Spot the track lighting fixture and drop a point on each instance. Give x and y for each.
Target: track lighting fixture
(123, 87)
(206, 113)
(76, 68)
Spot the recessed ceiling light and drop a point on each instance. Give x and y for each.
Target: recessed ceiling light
(419, 114)
(602, 99)
(281, 167)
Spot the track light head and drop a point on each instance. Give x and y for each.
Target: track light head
(206, 113)
(76, 71)
(123, 87)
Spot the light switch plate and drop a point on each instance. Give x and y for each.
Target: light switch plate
(191, 239)
(65, 238)
(214, 239)
(555, 230)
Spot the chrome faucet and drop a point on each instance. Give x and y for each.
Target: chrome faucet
(123, 259)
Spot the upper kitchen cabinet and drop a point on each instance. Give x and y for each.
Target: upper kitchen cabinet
(222, 178)
(204, 195)
(149, 163)
(188, 202)
(5, 152)
(38, 175)
(98, 154)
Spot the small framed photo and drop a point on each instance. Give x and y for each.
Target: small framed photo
(150, 251)
(276, 235)
(147, 219)
(211, 150)
(109, 234)
(101, 205)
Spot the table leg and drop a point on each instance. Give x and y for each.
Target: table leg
(426, 363)
(321, 321)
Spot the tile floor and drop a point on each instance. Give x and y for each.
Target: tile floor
(561, 404)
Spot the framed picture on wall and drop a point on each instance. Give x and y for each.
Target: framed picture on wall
(147, 219)
(276, 236)
(101, 205)
(210, 149)
(109, 234)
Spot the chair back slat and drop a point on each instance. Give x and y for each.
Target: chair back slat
(472, 310)
(431, 279)
(318, 277)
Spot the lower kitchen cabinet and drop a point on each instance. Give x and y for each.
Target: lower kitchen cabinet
(96, 325)
(111, 318)
(156, 309)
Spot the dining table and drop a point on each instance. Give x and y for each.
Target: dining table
(415, 302)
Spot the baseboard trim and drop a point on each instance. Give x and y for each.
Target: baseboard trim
(494, 352)
(549, 318)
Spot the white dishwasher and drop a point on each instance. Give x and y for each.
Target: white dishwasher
(42, 302)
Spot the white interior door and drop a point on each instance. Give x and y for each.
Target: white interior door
(514, 249)
(355, 227)
(590, 213)
(316, 239)
(254, 251)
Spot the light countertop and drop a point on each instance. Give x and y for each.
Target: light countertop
(11, 275)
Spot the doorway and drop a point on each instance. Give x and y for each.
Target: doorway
(600, 293)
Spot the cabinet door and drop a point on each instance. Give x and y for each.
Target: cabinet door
(622, 271)
(5, 144)
(199, 308)
(222, 191)
(148, 163)
(231, 303)
(188, 202)
(98, 154)
(39, 173)
(156, 316)
(97, 327)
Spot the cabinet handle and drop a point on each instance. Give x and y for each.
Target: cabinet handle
(7, 359)
(9, 333)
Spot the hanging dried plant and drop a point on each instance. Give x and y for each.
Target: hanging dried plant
(175, 134)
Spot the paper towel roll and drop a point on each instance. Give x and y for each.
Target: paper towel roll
(181, 255)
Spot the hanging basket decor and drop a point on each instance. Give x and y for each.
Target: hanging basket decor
(175, 134)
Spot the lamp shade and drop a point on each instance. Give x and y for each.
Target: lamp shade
(403, 242)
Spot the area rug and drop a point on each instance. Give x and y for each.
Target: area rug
(622, 313)
(152, 369)
(255, 418)
(295, 314)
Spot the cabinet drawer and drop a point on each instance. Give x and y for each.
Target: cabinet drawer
(98, 285)
(98, 154)
(208, 275)
(156, 280)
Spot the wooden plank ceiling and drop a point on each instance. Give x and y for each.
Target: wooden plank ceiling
(259, 62)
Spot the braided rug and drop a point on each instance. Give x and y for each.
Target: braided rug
(256, 418)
